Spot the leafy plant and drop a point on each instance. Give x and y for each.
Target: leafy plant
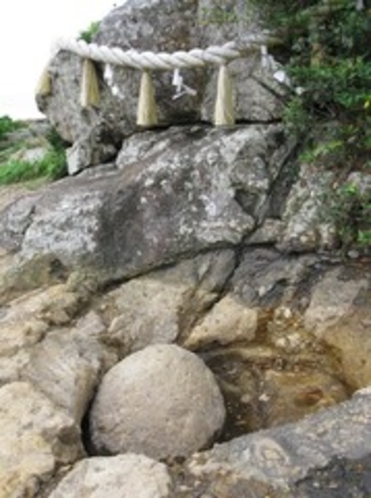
(350, 209)
(328, 55)
(89, 33)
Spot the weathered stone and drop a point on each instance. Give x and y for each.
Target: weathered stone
(332, 299)
(221, 484)
(35, 439)
(15, 220)
(161, 401)
(308, 224)
(18, 334)
(351, 338)
(24, 324)
(340, 314)
(12, 366)
(48, 305)
(18, 277)
(268, 233)
(160, 307)
(67, 365)
(179, 192)
(344, 476)
(267, 278)
(159, 26)
(84, 153)
(123, 476)
(228, 321)
(284, 455)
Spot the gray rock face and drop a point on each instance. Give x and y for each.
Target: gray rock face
(285, 455)
(164, 25)
(178, 192)
(170, 408)
(265, 277)
(339, 313)
(332, 299)
(306, 218)
(123, 476)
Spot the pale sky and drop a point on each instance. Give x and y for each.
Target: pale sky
(27, 31)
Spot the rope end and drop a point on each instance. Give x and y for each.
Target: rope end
(224, 106)
(90, 95)
(44, 85)
(147, 111)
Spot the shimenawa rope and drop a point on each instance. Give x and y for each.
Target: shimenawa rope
(151, 61)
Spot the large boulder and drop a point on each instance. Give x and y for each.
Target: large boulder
(161, 401)
(164, 25)
(177, 193)
(284, 457)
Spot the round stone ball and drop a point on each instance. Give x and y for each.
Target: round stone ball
(162, 401)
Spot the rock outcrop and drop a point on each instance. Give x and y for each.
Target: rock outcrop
(175, 193)
(183, 300)
(157, 26)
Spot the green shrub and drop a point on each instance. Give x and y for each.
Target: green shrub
(89, 33)
(350, 210)
(328, 55)
(326, 51)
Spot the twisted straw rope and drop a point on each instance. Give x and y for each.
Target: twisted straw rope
(147, 61)
(219, 55)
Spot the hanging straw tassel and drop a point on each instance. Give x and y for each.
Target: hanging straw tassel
(224, 107)
(44, 85)
(147, 112)
(89, 87)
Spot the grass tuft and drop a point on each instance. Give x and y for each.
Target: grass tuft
(52, 167)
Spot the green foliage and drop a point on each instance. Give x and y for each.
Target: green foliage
(327, 54)
(7, 125)
(89, 33)
(350, 209)
(329, 57)
(51, 167)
